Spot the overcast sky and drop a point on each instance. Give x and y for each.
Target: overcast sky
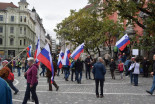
(52, 11)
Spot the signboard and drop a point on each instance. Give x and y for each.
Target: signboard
(135, 52)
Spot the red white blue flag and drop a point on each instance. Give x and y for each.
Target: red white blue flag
(46, 58)
(123, 42)
(37, 51)
(29, 49)
(61, 57)
(66, 58)
(76, 54)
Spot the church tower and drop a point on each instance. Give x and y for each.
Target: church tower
(23, 5)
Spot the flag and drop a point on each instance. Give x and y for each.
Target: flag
(66, 58)
(76, 54)
(46, 58)
(61, 57)
(123, 42)
(37, 51)
(29, 49)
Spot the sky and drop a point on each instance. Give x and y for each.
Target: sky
(52, 11)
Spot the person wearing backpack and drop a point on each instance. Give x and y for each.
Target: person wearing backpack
(112, 68)
(10, 76)
(136, 72)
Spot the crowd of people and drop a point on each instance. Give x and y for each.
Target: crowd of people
(127, 67)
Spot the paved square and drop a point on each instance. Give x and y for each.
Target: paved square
(115, 91)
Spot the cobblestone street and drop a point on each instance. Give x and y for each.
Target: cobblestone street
(115, 91)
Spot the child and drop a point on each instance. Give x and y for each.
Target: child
(121, 69)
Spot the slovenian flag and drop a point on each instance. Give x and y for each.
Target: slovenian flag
(46, 58)
(66, 58)
(29, 49)
(123, 42)
(61, 57)
(76, 54)
(37, 52)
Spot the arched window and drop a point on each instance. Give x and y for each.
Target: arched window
(1, 41)
(11, 41)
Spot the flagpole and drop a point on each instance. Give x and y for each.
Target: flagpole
(16, 56)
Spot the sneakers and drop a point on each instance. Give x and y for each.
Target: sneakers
(149, 92)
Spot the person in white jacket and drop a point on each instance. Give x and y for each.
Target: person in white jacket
(136, 72)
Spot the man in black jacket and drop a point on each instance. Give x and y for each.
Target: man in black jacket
(153, 74)
(88, 66)
(78, 70)
(112, 68)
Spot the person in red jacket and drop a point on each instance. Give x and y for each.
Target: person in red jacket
(32, 81)
(121, 68)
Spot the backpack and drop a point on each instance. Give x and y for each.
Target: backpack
(11, 76)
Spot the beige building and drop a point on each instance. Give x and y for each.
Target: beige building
(17, 29)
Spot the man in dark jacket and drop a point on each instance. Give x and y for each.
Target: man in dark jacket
(88, 66)
(153, 74)
(78, 68)
(112, 68)
(145, 65)
(99, 72)
(49, 75)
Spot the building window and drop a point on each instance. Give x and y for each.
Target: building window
(21, 30)
(24, 30)
(21, 19)
(11, 41)
(24, 19)
(1, 41)
(11, 30)
(24, 41)
(1, 29)
(1, 17)
(12, 18)
(20, 42)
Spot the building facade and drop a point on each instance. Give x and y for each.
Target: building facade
(18, 29)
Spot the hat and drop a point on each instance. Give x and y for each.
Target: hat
(5, 61)
(30, 59)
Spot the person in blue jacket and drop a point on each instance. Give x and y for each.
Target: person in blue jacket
(99, 72)
(5, 92)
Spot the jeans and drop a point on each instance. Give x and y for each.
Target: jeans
(67, 73)
(78, 78)
(101, 81)
(33, 91)
(131, 77)
(153, 85)
(72, 75)
(58, 72)
(88, 72)
(18, 71)
(43, 71)
(12, 86)
(135, 79)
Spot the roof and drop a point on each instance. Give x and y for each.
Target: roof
(3, 5)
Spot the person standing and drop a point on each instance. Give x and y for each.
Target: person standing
(18, 67)
(73, 70)
(121, 68)
(112, 68)
(49, 75)
(23, 64)
(126, 66)
(66, 72)
(107, 58)
(43, 69)
(131, 69)
(5, 92)
(136, 72)
(153, 74)
(88, 66)
(123, 58)
(14, 65)
(99, 72)
(32, 81)
(78, 68)
(145, 65)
